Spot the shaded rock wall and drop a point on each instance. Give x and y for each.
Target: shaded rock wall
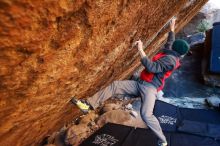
(52, 50)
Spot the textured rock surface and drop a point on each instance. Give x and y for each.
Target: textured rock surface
(110, 107)
(52, 50)
(75, 133)
(120, 117)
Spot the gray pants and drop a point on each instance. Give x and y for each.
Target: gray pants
(145, 90)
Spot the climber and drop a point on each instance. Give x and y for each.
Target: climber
(151, 81)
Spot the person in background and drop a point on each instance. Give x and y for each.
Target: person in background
(152, 80)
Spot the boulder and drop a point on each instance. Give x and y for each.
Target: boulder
(88, 118)
(213, 101)
(110, 106)
(52, 50)
(49, 145)
(76, 133)
(120, 117)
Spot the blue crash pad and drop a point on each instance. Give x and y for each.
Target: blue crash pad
(215, 51)
(181, 126)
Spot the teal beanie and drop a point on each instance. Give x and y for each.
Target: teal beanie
(180, 46)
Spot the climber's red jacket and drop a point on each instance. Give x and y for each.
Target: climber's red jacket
(161, 66)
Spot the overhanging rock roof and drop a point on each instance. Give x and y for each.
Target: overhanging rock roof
(52, 50)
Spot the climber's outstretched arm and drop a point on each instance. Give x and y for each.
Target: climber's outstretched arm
(171, 35)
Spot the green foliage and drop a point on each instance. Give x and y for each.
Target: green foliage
(203, 26)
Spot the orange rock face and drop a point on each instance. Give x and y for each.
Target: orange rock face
(52, 50)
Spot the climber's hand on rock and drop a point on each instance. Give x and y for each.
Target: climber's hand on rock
(139, 44)
(172, 24)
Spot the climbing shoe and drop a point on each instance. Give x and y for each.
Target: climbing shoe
(83, 106)
(162, 143)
